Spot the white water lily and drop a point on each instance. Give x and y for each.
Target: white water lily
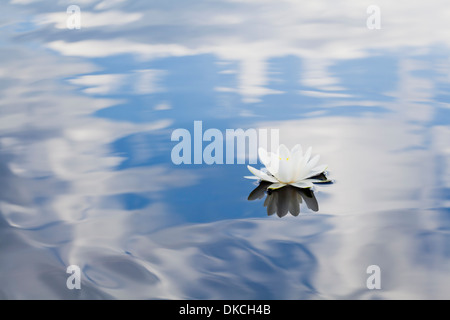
(288, 167)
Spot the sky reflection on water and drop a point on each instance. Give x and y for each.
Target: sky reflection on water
(86, 176)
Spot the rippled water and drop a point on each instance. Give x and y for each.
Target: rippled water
(86, 176)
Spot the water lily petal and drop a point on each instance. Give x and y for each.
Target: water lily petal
(313, 161)
(320, 168)
(304, 169)
(285, 169)
(264, 157)
(283, 152)
(252, 177)
(300, 169)
(308, 154)
(261, 175)
(302, 184)
(309, 175)
(274, 164)
(277, 185)
(291, 165)
(314, 172)
(297, 151)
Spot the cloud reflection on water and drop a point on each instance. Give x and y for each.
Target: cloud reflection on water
(296, 66)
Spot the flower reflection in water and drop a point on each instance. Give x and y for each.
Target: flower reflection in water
(288, 199)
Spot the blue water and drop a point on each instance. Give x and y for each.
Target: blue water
(87, 179)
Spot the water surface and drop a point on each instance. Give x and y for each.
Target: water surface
(86, 176)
